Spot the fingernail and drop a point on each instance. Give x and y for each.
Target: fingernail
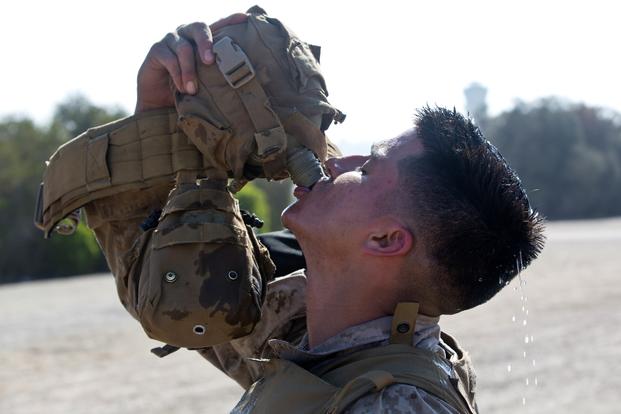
(209, 56)
(190, 88)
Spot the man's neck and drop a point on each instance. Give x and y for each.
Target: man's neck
(330, 311)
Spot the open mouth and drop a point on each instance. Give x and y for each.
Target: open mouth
(299, 191)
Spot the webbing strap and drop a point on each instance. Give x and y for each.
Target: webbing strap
(359, 386)
(373, 369)
(404, 323)
(269, 135)
(133, 153)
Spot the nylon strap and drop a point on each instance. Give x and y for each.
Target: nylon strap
(269, 134)
(130, 154)
(404, 323)
(371, 381)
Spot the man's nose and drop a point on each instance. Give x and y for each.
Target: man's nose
(338, 166)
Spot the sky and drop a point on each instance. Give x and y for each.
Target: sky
(381, 60)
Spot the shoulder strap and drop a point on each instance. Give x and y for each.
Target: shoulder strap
(373, 369)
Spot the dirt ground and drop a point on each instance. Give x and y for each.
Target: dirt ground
(546, 345)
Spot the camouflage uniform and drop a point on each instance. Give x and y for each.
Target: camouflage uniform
(141, 261)
(281, 334)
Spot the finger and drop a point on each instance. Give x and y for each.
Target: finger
(184, 53)
(200, 34)
(227, 21)
(163, 57)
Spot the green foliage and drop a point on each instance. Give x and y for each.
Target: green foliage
(24, 147)
(568, 156)
(254, 199)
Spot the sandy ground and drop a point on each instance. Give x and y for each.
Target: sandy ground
(548, 345)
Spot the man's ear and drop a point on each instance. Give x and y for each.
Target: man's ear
(391, 239)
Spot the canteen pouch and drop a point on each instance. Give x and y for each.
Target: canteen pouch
(262, 101)
(205, 274)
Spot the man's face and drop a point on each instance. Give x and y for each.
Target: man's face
(336, 213)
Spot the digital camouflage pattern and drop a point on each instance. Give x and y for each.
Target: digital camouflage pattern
(264, 99)
(194, 277)
(206, 272)
(282, 337)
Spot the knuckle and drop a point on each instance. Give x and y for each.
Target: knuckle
(198, 25)
(169, 38)
(157, 49)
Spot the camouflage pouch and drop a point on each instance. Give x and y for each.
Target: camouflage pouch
(205, 274)
(262, 109)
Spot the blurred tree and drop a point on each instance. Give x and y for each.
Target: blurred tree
(255, 200)
(279, 194)
(24, 147)
(77, 114)
(567, 155)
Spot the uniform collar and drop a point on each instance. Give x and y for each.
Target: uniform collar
(364, 335)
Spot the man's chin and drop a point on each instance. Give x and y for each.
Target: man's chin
(292, 216)
(287, 217)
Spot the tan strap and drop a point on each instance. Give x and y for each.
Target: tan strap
(371, 381)
(405, 364)
(130, 154)
(269, 135)
(404, 323)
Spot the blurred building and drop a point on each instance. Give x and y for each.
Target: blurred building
(476, 104)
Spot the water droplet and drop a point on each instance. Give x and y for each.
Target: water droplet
(532, 339)
(522, 298)
(480, 279)
(513, 318)
(523, 308)
(525, 299)
(523, 400)
(534, 364)
(527, 312)
(526, 339)
(524, 322)
(527, 382)
(536, 381)
(524, 353)
(500, 280)
(509, 368)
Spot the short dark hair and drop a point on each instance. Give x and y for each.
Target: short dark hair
(471, 208)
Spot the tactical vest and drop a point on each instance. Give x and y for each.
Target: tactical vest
(333, 385)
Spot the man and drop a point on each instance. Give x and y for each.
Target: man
(432, 222)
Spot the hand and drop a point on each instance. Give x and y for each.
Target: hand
(173, 58)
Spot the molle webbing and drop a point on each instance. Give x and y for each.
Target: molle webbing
(130, 154)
